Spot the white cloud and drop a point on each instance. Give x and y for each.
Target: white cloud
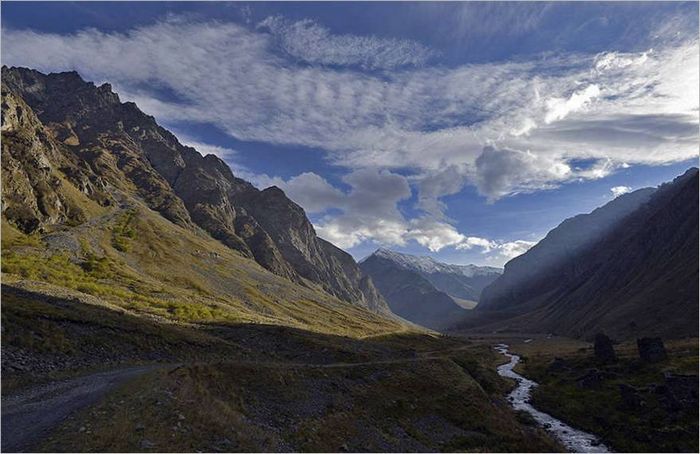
(503, 127)
(559, 108)
(503, 171)
(308, 41)
(512, 249)
(205, 148)
(619, 190)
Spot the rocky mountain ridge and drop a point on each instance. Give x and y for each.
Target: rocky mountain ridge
(62, 134)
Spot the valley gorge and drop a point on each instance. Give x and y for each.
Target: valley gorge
(191, 311)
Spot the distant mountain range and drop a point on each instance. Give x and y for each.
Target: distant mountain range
(629, 268)
(425, 291)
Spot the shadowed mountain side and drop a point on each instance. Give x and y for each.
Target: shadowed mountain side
(63, 136)
(639, 279)
(544, 265)
(410, 295)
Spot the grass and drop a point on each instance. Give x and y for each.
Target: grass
(123, 231)
(433, 405)
(13, 238)
(650, 428)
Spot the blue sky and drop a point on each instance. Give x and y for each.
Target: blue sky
(464, 131)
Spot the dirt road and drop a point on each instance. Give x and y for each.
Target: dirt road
(28, 416)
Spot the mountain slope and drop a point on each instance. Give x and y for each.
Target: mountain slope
(639, 279)
(423, 290)
(110, 150)
(544, 265)
(459, 281)
(410, 295)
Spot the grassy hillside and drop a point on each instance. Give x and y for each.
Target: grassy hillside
(134, 259)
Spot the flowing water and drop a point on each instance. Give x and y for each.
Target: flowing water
(574, 440)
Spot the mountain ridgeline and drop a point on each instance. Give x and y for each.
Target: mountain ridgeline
(64, 136)
(629, 268)
(425, 291)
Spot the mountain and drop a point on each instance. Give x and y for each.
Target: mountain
(64, 136)
(632, 277)
(214, 303)
(548, 262)
(423, 290)
(459, 281)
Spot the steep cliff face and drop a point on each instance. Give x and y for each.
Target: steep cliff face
(34, 168)
(115, 147)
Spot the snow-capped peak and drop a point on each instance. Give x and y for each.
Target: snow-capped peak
(429, 265)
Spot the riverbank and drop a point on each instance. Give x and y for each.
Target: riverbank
(574, 440)
(631, 405)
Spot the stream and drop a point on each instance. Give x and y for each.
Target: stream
(574, 440)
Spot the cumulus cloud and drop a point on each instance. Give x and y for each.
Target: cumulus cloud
(369, 212)
(503, 171)
(619, 190)
(512, 249)
(310, 42)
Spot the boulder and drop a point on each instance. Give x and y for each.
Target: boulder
(651, 349)
(603, 349)
(592, 379)
(558, 365)
(630, 397)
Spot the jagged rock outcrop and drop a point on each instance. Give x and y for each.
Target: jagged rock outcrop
(113, 145)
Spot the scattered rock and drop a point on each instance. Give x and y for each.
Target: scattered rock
(651, 349)
(146, 444)
(603, 349)
(681, 391)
